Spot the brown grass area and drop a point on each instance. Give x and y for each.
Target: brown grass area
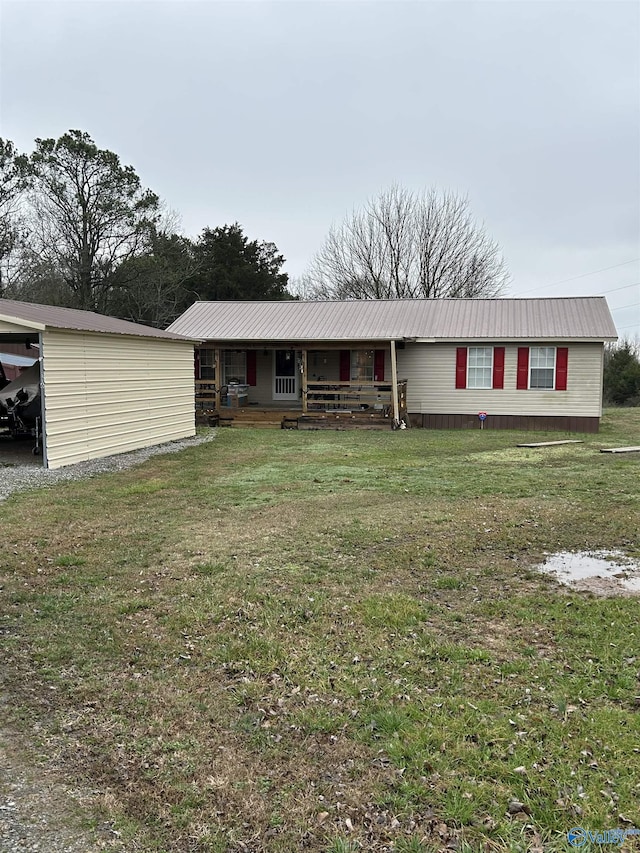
(274, 645)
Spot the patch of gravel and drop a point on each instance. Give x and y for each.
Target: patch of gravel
(38, 814)
(19, 478)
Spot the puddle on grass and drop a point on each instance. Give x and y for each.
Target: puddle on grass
(600, 572)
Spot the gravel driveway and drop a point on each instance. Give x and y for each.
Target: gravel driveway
(19, 471)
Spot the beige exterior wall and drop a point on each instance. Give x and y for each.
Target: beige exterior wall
(262, 392)
(108, 394)
(430, 371)
(15, 328)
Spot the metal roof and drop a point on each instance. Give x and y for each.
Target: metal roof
(43, 317)
(581, 318)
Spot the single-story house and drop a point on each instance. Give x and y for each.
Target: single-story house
(438, 363)
(106, 385)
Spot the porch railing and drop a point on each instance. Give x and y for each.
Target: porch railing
(285, 385)
(206, 397)
(356, 396)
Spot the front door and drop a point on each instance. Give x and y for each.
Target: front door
(285, 375)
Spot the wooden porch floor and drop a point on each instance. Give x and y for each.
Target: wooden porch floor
(281, 418)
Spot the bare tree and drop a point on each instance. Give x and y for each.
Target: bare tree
(12, 185)
(404, 245)
(302, 287)
(153, 288)
(33, 279)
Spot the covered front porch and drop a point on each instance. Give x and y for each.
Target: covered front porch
(328, 387)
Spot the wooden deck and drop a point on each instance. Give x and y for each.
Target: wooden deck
(253, 417)
(280, 418)
(323, 405)
(341, 420)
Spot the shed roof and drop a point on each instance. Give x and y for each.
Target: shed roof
(43, 317)
(578, 318)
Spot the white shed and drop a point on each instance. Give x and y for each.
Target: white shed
(107, 385)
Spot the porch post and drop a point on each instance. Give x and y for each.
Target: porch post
(394, 384)
(218, 374)
(304, 382)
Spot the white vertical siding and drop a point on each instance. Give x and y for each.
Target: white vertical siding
(108, 394)
(430, 371)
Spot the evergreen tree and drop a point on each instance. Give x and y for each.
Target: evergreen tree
(622, 375)
(231, 267)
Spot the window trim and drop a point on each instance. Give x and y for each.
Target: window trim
(551, 387)
(560, 368)
(236, 376)
(347, 363)
(206, 358)
(497, 367)
(489, 367)
(355, 366)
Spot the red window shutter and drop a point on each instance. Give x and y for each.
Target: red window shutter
(345, 365)
(252, 369)
(498, 367)
(461, 367)
(522, 376)
(562, 363)
(378, 366)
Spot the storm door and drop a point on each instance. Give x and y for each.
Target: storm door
(285, 375)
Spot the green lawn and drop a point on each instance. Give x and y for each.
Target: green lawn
(279, 641)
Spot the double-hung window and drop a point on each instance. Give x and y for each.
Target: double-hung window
(542, 368)
(207, 361)
(362, 365)
(479, 367)
(235, 367)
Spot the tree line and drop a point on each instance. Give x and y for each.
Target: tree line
(622, 373)
(78, 229)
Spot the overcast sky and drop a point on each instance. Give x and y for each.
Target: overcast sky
(285, 116)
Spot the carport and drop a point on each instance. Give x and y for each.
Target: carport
(106, 385)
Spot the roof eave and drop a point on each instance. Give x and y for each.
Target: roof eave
(19, 321)
(284, 342)
(593, 339)
(171, 336)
